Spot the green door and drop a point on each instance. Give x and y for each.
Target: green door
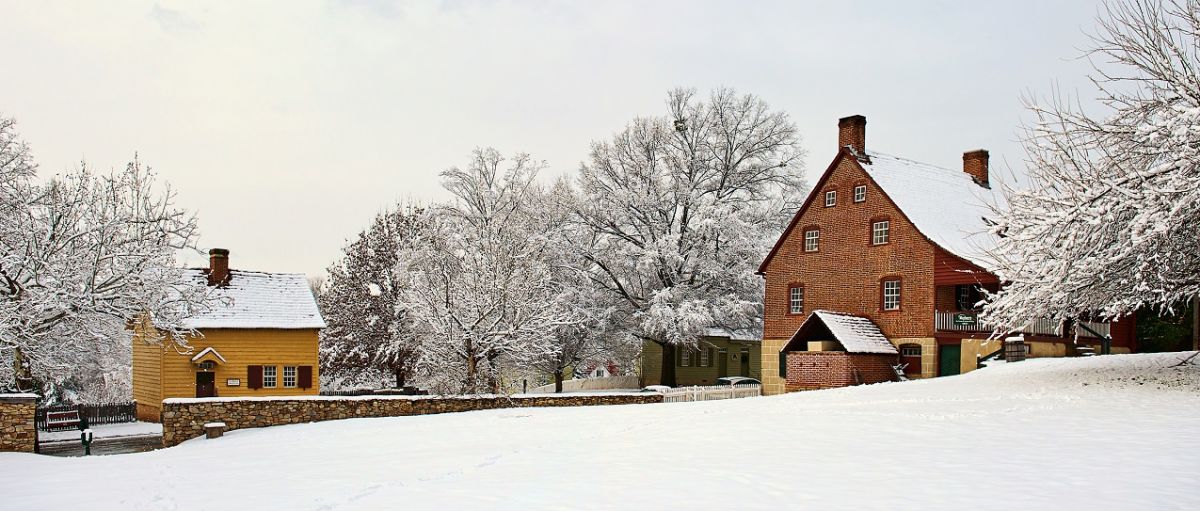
(949, 358)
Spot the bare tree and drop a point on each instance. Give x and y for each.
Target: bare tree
(1108, 223)
(679, 210)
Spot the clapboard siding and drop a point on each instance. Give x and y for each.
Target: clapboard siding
(241, 349)
(147, 371)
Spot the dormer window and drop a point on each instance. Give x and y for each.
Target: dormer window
(831, 198)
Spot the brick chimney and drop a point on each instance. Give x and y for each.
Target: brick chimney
(852, 131)
(975, 163)
(218, 267)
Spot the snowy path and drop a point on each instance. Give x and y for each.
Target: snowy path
(1088, 433)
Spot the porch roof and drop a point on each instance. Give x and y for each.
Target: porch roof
(208, 353)
(856, 334)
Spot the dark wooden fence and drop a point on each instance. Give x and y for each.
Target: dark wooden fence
(406, 391)
(111, 413)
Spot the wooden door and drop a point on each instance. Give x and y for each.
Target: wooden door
(949, 359)
(745, 369)
(722, 363)
(206, 385)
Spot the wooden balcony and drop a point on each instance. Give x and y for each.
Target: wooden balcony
(969, 322)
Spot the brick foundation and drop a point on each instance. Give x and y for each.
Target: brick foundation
(183, 419)
(811, 370)
(17, 430)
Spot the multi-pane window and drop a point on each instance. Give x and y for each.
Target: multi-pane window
(891, 295)
(269, 376)
(685, 358)
(703, 358)
(289, 377)
(812, 238)
(831, 198)
(910, 350)
(880, 232)
(796, 300)
(860, 193)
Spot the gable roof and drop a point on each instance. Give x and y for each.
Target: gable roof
(258, 300)
(206, 352)
(856, 334)
(946, 206)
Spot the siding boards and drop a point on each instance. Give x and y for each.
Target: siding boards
(243, 348)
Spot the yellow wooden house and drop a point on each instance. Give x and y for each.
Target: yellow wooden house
(258, 337)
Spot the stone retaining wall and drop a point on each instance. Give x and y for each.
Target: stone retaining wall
(18, 432)
(183, 419)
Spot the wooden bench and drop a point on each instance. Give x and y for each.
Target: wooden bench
(62, 420)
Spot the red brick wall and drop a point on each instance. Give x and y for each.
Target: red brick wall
(808, 370)
(844, 275)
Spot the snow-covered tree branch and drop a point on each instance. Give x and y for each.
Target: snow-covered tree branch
(1108, 223)
(369, 333)
(81, 257)
(679, 209)
(481, 289)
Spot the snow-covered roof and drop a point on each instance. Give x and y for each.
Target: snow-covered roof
(857, 334)
(946, 205)
(206, 351)
(258, 300)
(735, 334)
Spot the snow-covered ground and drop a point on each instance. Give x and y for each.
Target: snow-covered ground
(104, 431)
(1113, 432)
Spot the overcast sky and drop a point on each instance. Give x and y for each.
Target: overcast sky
(287, 125)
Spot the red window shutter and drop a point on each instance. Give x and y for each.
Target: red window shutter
(304, 377)
(255, 377)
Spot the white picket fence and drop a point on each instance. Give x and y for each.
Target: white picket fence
(708, 393)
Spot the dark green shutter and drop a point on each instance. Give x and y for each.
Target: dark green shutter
(783, 364)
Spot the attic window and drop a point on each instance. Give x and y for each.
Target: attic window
(880, 232)
(831, 198)
(812, 239)
(860, 193)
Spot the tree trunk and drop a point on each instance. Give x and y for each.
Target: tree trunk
(1196, 323)
(668, 365)
(400, 376)
(558, 379)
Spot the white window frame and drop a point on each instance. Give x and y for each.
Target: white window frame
(812, 240)
(906, 351)
(703, 358)
(831, 198)
(289, 384)
(860, 193)
(796, 300)
(891, 295)
(685, 358)
(881, 232)
(269, 377)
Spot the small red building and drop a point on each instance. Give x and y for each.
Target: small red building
(903, 246)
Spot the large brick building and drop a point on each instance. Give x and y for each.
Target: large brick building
(901, 244)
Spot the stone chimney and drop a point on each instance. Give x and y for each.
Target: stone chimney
(218, 267)
(852, 131)
(975, 163)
